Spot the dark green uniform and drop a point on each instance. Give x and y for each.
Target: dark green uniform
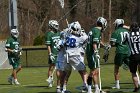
(94, 36)
(122, 49)
(51, 39)
(14, 58)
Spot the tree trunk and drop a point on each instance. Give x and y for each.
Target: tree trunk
(109, 33)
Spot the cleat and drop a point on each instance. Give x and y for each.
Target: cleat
(136, 90)
(97, 91)
(50, 85)
(10, 80)
(16, 83)
(84, 89)
(116, 87)
(58, 90)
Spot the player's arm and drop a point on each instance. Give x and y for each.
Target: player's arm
(8, 50)
(7, 46)
(96, 52)
(49, 49)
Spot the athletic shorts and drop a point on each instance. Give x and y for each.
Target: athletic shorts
(52, 62)
(76, 62)
(93, 62)
(67, 67)
(60, 65)
(14, 62)
(121, 58)
(134, 62)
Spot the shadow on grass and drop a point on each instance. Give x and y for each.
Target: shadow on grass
(5, 84)
(124, 83)
(37, 86)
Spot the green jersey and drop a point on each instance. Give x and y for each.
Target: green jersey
(51, 39)
(94, 36)
(118, 37)
(12, 43)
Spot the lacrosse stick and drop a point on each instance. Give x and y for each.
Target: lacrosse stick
(65, 14)
(62, 5)
(50, 79)
(100, 83)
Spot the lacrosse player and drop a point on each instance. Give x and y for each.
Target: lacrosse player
(92, 53)
(74, 57)
(122, 49)
(14, 51)
(61, 60)
(51, 38)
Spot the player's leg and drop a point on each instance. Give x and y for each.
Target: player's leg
(133, 68)
(13, 77)
(50, 71)
(65, 76)
(59, 74)
(118, 61)
(138, 73)
(116, 76)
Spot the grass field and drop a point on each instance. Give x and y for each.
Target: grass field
(32, 79)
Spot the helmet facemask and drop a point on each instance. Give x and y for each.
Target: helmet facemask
(103, 23)
(75, 26)
(53, 24)
(15, 33)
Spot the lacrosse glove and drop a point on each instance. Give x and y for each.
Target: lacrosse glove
(51, 56)
(97, 54)
(107, 46)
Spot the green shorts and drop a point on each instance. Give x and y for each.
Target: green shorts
(14, 62)
(93, 62)
(121, 58)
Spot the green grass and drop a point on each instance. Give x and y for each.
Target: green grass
(33, 81)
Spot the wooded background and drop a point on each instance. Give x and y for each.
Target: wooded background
(33, 16)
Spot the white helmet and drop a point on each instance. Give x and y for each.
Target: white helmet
(54, 24)
(14, 33)
(103, 21)
(118, 22)
(75, 26)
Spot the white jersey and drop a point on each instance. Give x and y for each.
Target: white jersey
(75, 44)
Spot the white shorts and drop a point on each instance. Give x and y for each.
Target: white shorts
(77, 62)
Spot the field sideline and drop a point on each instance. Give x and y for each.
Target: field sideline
(33, 81)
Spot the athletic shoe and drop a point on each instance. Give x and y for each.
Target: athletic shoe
(50, 85)
(58, 90)
(10, 80)
(84, 89)
(65, 91)
(89, 92)
(97, 91)
(136, 90)
(116, 87)
(16, 83)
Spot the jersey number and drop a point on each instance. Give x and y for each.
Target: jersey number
(71, 42)
(135, 39)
